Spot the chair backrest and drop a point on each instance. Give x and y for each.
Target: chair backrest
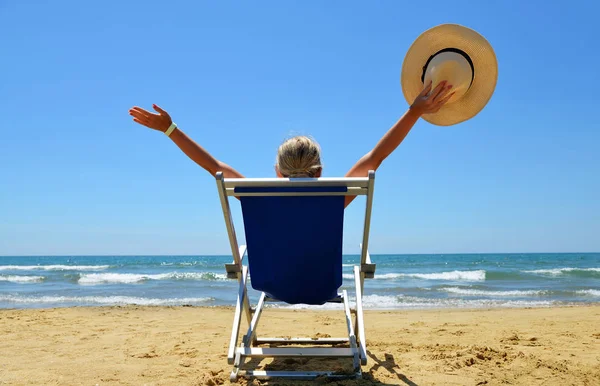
(294, 243)
(294, 233)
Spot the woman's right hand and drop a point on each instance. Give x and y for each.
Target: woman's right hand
(431, 101)
(160, 121)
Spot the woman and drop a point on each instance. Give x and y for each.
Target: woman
(301, 156)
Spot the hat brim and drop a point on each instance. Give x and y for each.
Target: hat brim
(484, 63)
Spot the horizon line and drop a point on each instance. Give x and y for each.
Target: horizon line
(343, 254)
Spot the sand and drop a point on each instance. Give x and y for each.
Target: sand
(187, 346)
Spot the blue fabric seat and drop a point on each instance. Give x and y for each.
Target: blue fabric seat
(294, 243)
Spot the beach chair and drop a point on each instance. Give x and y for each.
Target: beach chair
(294, 235)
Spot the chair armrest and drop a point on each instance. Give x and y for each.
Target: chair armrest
(233, 269)
(368, 268)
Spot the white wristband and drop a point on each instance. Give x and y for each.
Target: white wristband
(170, 129)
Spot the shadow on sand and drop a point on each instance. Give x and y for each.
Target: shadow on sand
(368, 378)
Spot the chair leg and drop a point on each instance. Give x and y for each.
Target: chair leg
(236, 368)
(237, 319)
(250, 337)
(355, 319)
(351, 336)
(359, 317)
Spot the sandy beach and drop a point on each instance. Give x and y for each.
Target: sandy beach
(187, 345)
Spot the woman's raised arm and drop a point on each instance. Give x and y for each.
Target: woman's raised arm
(162, 121)
(427, 102)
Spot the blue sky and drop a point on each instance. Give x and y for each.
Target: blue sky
(79, 177)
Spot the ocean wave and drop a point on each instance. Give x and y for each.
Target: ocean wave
(103, 300)
(131, 278)
(369, 301)
(478, 275)
(57, 267)
(184, 264)
(411, 302)
(414, 302)
(21, 279)
(591, 292)
(593, 272)
(476, 292)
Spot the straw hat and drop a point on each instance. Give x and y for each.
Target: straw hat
(462, 57)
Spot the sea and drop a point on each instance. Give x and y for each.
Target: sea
(401, 281)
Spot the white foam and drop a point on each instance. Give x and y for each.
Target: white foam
(131, 278)
(53, 267)
(591, 292)
(103, 300)
(475, 292)
(164, 263)
(380, 302)
(417, 302)
(125, 278)
(197, 276)
(449, 276)
(369, 301)
(21, 279)
(326, 306)
(560, 271)
(478, 275)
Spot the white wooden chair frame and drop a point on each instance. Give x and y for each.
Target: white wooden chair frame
(248, 347)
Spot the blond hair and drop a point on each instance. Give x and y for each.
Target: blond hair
(299, 156)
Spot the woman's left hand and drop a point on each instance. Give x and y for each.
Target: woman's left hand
(160, 121)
